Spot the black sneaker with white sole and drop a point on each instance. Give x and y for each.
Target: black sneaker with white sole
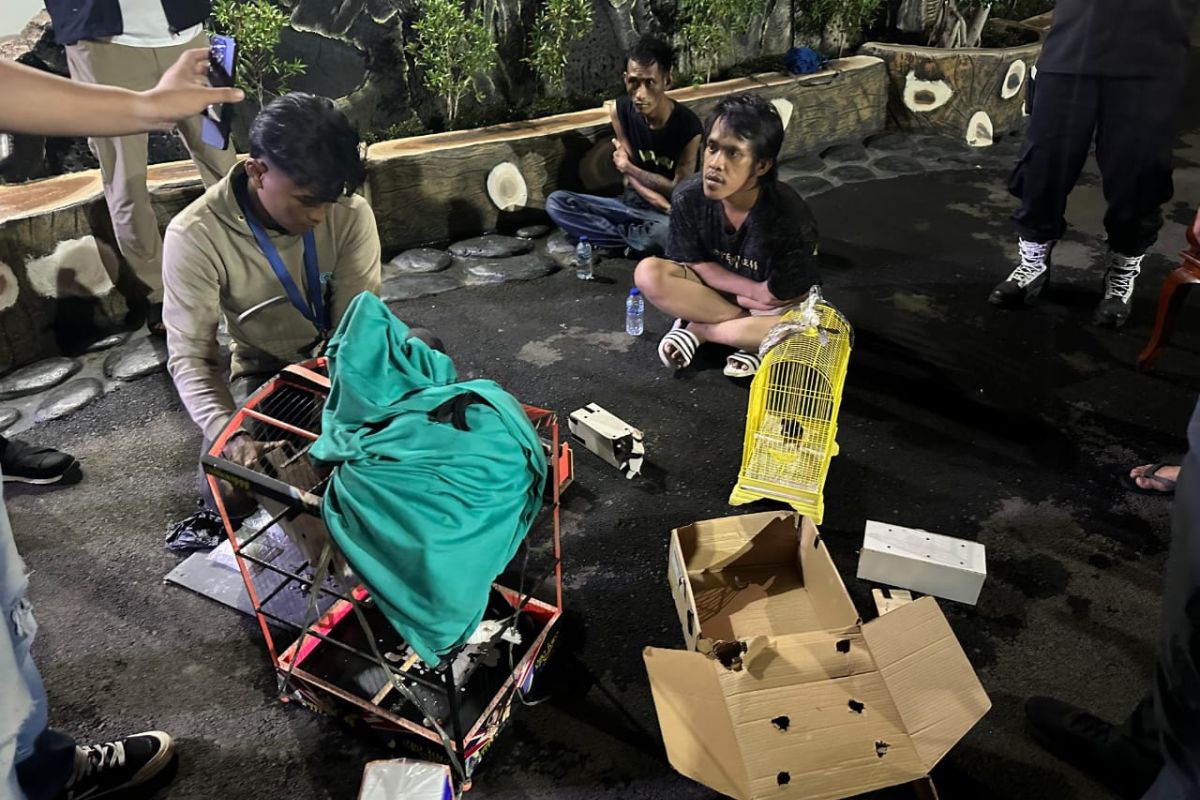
(101, 769)
(27, 463)
(1025, 282)
(1119, 279)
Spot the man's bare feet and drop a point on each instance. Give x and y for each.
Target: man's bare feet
(1155, 477)
(679, 346)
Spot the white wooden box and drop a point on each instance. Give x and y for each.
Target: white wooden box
(924, 562)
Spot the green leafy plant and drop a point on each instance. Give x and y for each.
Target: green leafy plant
(255, 25)
(452, 48)
(558, 23)
(849, 16)
(709, 27)
(410, 126)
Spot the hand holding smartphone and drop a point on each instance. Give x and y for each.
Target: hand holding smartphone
(222, 71)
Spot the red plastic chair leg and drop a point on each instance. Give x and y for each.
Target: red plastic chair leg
(1170, 299)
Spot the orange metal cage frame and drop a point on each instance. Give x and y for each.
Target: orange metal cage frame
(464, 747)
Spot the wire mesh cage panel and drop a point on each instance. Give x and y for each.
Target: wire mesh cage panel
(791, 421)
(331, 646)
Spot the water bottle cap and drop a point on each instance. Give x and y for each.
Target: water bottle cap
(634, 292)
(583, 238)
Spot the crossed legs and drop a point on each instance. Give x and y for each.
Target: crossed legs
(709, 315)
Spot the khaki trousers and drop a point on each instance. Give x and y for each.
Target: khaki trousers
(123, 158)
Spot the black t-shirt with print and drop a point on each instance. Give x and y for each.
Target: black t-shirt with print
(777, 243)
(659, 150)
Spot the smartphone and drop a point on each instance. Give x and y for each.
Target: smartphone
(222, 71)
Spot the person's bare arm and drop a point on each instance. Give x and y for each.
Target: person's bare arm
(686, 164)
(623, 161)
(619, 138)
(724, 280)
(37, 102)
(652, 197)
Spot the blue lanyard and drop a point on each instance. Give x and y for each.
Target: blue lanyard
(313, 308)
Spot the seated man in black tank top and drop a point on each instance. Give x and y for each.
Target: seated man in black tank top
(655, 144)
(743, 246)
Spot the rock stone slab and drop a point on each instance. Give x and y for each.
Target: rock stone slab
(559, 245)
(491, 246)
(143, 357)
(809, 163)
(943, 145)
(533, 231)
(8, 418)
(406, 287)
(845, 154)
(38, 377)
(417, 260)
(852, 173)
(890, 142)
(107, 342)
(810, 185)
(902, 165)
(520, 268)
(69, 398)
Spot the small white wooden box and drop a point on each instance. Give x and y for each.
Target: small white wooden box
(925, 562)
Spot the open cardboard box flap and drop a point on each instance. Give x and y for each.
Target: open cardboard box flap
(930, 679)
(780, 692)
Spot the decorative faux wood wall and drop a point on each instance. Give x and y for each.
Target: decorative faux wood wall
(61, 277)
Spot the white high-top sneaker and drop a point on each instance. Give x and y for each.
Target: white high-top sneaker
(1119, 278)
(1026, 281)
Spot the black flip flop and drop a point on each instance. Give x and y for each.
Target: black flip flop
(154, 320)
(1151, 473)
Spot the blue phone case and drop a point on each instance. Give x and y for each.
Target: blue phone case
(222, 64)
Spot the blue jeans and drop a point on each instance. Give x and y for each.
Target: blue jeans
(35, 762)
(608, 221)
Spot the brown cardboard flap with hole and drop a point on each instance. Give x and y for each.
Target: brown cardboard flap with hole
(799, 706)
(787, 695)
(932, 683)
(691, 706)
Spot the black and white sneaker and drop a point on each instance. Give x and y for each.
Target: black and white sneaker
(101, 769)
(1119, 278)
(27, 463)
(1026, 281)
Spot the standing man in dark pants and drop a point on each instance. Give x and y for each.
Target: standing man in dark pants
(1111, 70)
(130, 44)
(1163, 733)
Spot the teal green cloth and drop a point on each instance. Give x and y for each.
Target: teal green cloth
(426, 514)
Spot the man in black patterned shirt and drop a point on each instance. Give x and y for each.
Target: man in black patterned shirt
(742, 247)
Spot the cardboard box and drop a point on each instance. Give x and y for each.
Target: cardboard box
(406, 779)
(890, 599)
(925, 562)
(609, 437)
(782, 692)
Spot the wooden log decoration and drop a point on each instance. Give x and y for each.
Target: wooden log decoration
(68, 282)
(423, 189)
(506, 187)
(974, 94)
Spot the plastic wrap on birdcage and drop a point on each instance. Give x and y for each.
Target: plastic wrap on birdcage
(791, 419)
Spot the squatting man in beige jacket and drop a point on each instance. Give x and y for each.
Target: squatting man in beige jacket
(279, 248)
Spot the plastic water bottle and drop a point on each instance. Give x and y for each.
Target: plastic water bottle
(635, 313)
(583, 259)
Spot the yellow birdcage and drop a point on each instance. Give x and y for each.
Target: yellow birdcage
(791, 422)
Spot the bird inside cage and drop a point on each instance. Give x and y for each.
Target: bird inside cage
(791, 420)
